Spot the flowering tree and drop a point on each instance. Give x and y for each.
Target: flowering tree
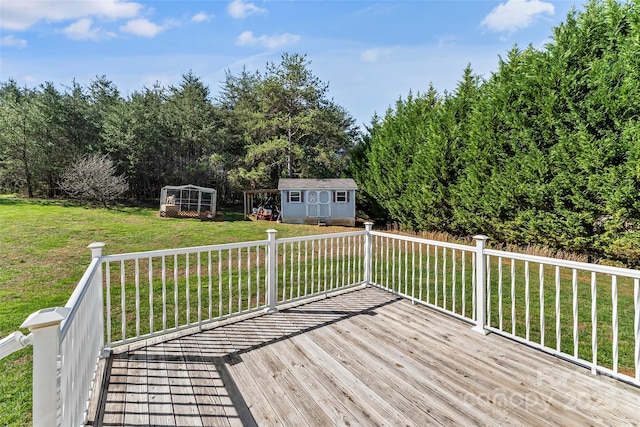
(93, 177)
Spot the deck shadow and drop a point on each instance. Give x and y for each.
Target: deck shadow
(202, 359)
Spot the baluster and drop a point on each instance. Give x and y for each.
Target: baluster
(220, 299)
(513, 296)
(527, 296)
(464, 283)
(187, 288)
(150, 273)
(406, 267)
(558, 338)
(137, 282)
(428, 272)
(574, 284)
(299, 266)
(210, 287)
(284, 272)
(444, 278)
(636, 324)
(594, 323)
(199, 283)
(500, 313)
(291, 271)
(239, 280)
(413, 272)
(614, 320)
(435, 274)
(230, 281)
(453, 280)
(175, 291)
(488, 287)
(542, 323)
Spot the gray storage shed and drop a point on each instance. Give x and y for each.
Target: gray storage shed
(318, 201)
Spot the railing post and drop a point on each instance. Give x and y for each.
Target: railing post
(367, 253)
(272, 265)
(96, 249)
(481, 285)
(96, 252)
(45, 327)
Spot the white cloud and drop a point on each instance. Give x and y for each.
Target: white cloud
(12, 41)
(202, 17)
(375, 55)
(144, 28)
(84, 30)
(19, 15)
(516, 14)
(239, 9)
(247, 38)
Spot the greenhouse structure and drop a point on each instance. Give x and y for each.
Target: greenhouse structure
(188, 201)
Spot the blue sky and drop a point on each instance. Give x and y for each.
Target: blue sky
(370, 52)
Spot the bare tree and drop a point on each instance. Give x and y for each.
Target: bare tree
(94, 178)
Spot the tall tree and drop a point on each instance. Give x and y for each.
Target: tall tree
(18, 142)
(192, 122)
(292, 129)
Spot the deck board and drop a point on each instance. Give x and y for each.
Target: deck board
(365, 357)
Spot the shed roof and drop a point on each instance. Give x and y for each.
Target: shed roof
(317, 184)
(189, 187)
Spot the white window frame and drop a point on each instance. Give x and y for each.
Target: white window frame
(341, 194)
(295, 194)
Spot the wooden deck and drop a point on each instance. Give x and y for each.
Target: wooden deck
(360, 358)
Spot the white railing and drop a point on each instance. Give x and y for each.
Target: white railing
(67, 342)
(81, 343)
(586, 313)
(314, 265)
(154, 293)
(440, 275)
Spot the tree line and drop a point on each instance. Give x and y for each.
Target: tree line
(544, 151)
(262, 126)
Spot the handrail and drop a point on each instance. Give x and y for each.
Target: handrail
(13, 342)
(181, 251)
(598, 268)
(78, 294)
(416, 239)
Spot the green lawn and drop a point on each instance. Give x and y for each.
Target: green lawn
(43, 255)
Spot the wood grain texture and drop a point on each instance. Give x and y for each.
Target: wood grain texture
(364, 357)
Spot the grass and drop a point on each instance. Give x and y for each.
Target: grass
(43, 255)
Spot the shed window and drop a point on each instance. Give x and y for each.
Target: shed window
(295, 197)
(341, 197)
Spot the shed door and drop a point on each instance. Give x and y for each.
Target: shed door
(318, 204)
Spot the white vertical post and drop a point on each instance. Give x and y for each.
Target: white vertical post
(481, 285)
(272, 265)
(96, 252)
(45, 327)
(96, 249)
(367, 253)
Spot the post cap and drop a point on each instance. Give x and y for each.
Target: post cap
(480, 237)
(46, 317)
(96, 245)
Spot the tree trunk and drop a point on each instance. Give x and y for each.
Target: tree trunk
(289, 161)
